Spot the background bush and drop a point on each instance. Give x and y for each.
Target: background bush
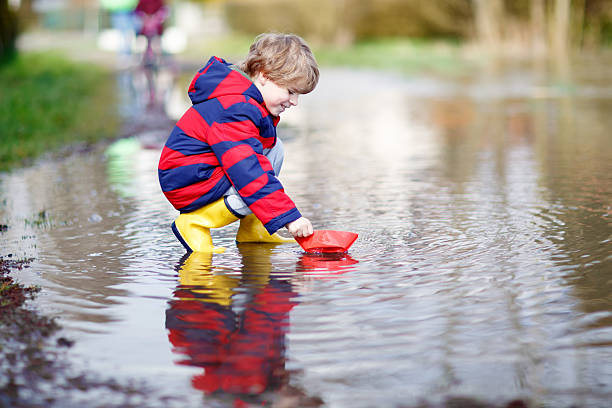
(345, 21)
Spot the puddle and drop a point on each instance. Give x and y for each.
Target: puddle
(481, 270)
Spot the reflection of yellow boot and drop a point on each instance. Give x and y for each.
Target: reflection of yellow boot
(197, 276)
(193, 229)
(256, 264)
(252, 230)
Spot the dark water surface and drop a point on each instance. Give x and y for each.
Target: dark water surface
(483, 267)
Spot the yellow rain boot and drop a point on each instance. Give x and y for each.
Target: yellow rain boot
(252, 230)
(193, 229)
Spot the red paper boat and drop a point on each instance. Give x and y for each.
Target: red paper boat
(328, 241)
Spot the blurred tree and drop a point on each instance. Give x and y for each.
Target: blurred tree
(597, 25)
(560, 27)
(489, 15)
(549, 26)
(26, 14)
(8, 30)
(537, 13)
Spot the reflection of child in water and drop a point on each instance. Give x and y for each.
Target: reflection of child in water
(240, 354)
(222, 160)
(241, 349)
(234, 326)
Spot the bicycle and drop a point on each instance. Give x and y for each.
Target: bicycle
(152, 57)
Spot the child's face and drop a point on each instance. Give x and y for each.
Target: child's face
(276, 98)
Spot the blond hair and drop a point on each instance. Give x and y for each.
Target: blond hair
(285, 59)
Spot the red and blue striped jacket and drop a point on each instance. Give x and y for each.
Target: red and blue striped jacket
(219, 142)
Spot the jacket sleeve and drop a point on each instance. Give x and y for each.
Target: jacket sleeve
(234, 140)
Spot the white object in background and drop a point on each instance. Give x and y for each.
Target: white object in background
(174, 40)
(109, 40)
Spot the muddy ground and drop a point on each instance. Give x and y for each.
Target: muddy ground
(34, 369)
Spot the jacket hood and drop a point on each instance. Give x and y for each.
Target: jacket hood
(217, 78)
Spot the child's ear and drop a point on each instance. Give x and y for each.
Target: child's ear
(260, 78)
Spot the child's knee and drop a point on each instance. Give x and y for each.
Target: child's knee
(276, 155)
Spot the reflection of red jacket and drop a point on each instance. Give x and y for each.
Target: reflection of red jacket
(239, 354)
(219, 142)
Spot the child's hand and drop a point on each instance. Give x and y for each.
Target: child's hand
(300, 227)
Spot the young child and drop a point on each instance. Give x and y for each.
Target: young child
(222, 159)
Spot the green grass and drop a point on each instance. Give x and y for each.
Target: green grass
(47, 102)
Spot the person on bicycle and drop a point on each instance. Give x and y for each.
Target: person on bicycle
(152, 15)
(222, 159)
